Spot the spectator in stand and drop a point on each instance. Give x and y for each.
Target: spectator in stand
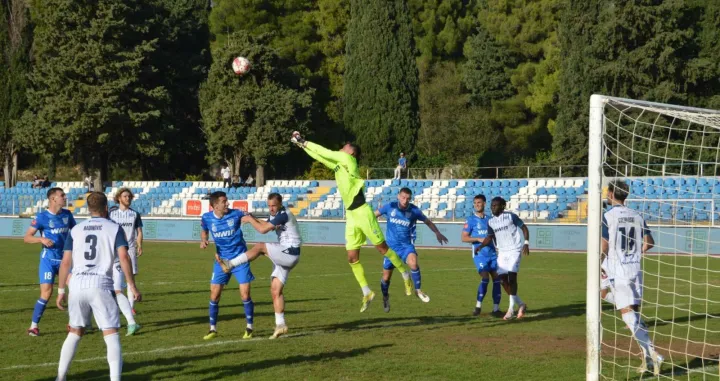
(45, 182)
(237, 182)
(89, 183)
(402, 164)
(249, 182)
(225, 172)
(37, 182)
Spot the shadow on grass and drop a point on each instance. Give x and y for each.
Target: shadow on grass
(177, 365)
(205, 306)
(204, 319)
(234, 371)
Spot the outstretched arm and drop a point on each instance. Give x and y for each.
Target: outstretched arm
(261, 226)
(440, 237)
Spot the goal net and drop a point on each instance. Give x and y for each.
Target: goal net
(669, 156)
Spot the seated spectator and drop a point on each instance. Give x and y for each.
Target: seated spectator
(236, 181)
(249, 182)
(45, 182)
(37, 182)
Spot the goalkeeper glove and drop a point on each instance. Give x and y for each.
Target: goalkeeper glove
(298, 140)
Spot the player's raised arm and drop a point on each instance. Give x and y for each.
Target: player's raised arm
(263, 227)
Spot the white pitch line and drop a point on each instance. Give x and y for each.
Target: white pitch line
(160, 350)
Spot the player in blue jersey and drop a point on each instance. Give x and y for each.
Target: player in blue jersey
(401, 219)
(474, 232)
(54, 223)
(224, 225)
(512, 241)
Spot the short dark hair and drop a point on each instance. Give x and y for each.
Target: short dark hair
(275, 196)
(215, 196)
(52, 191)
(500, 200)
(619, 189)
(480, 197)
(97, 202)
(406, 190)
(356, 150)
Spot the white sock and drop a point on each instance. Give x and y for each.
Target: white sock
(250, 326)
(114, 355)
(518, 301)
(67, 353)
(366, 290)
(131, 298)
(406, 275)
(125, 308)
(280, 318)
(478, 304)
(632, 319)
(33, 325)
(496, 307)
(512, 303)
(212, 327)
(610, 298)
(239, 260)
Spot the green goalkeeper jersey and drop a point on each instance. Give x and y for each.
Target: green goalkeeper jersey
(347, 175)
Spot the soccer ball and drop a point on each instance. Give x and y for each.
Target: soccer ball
(240, 65)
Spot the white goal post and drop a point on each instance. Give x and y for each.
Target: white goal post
(670, 158)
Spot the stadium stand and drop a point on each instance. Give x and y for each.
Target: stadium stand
(557, 200)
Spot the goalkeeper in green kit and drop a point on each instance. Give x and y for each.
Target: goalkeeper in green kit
(361, 221)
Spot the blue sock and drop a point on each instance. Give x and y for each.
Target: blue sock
(249, 312)
(39, 310)
(482, 289)
(497, 291)
(214, 310)
(384, 286)
(415, 275)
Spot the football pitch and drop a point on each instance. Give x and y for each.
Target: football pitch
(329, 338)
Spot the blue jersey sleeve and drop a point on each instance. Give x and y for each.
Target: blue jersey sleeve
(138, 221)
(71, 221)
(280, 219)
(605, 232)
(490, 230)
(385, 209)
(418, 214)
(203, 224)
(468, 227)
(68, 242)
(516, 220)
(120, 239)
(39, 222)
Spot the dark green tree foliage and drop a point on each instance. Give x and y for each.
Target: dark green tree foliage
(182, 60)
(381, 80)
(254, 114)
(88, 97)
(487, 68)
(15, 43)
(441, 28)
(639, 50)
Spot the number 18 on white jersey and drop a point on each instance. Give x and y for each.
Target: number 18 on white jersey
(624, 229)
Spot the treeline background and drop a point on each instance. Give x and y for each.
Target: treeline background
(134, 89)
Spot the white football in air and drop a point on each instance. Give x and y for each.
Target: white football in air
(240, 65)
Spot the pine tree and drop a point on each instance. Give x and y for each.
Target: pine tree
(89, 98)
(381, 80)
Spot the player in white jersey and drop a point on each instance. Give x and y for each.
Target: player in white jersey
(512, 240)
(91, 250)
(626, 237)
(285, 254)
(131, 223)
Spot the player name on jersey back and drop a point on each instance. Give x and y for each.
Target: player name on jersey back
(94, 244)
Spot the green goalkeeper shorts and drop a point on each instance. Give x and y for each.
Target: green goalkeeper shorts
(361, 225)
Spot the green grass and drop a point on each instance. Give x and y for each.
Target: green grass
(329, 338)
